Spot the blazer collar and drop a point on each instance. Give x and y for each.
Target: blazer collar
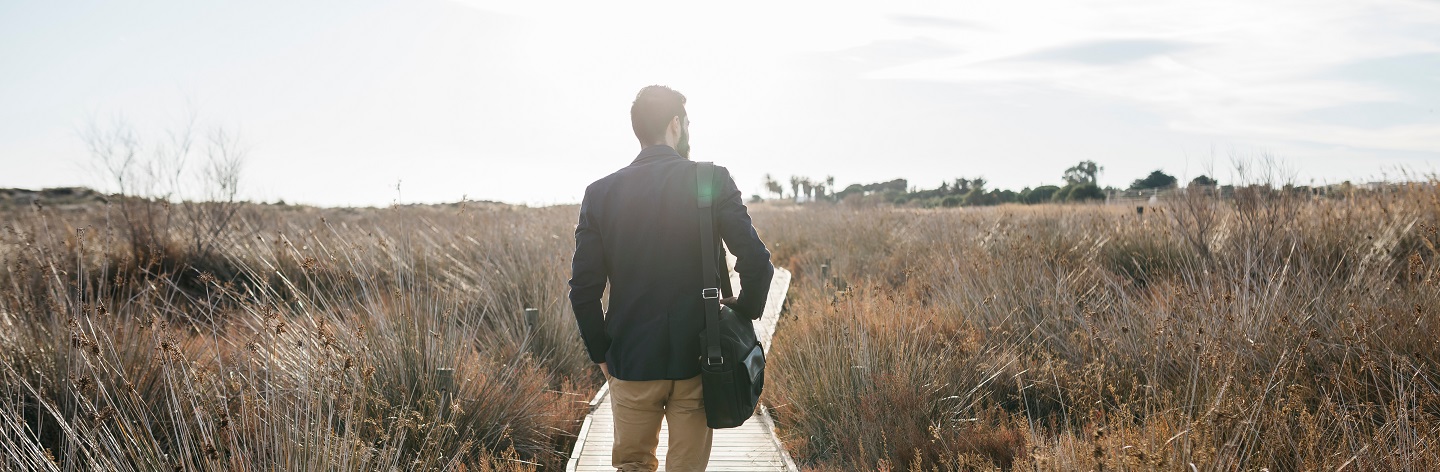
(656, 152)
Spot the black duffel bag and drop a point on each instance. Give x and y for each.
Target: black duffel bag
(732, 362)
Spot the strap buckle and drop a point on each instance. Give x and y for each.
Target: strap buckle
(714, 356)
(710, 293)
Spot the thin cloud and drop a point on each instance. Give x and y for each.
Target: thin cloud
(1236, 69)
(931, 21)
(1108, 52)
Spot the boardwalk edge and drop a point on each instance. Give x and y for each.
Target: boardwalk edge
(574, 461)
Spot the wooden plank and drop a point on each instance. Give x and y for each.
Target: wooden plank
(578, 450)
(712, 467)
(756, 450)
(597, 460)
(768, 463)
(752, 447)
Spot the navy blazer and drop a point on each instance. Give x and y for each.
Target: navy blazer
(639, 231)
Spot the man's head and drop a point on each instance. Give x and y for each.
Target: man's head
(658, 117)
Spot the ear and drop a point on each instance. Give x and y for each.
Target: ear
(672, 132)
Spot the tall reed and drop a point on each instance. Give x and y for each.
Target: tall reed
(1293, 333)
(372, 339)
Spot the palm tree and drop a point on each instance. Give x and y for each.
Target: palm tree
(774, 187)
(794, 188)
(1083, 173)
(962, 185)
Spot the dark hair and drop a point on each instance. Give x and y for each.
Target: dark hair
(652, 111)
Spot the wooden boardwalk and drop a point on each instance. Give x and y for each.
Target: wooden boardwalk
(752, 447)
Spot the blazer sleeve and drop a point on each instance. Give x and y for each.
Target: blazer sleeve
(752, 259)
(588, 279)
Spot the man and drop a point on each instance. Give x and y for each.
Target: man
(639, 231)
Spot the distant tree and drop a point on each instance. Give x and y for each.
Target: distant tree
(774, 187)
(979, 197)
(1203, 181)
(1084, 192)
(794, 188)
(976, 195)
(1041, 194)
(962, 186)
(900, 185)
(891, 189)
(1086, 172)
(830, 183)
(807, 188)
(1156, 179)
(951, 201)
(897, 185)
(1063, 194)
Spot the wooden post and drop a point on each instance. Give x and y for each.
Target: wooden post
(445, 383)
(532, 316)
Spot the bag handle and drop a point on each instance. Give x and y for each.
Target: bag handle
(710, 293)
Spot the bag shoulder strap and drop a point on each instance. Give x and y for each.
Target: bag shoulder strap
(710, 293)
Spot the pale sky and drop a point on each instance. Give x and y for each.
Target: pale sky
(527, 102)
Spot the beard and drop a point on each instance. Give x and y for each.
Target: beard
(683, 146)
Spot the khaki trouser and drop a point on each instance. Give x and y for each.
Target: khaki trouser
(638, 407)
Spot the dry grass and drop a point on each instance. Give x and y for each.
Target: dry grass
(1270, 331)
(310, 341)
(1265, 331)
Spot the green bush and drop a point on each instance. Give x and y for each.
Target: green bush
(1041, 194)
(1084, 192)
(1062, 195)
(979, 197)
